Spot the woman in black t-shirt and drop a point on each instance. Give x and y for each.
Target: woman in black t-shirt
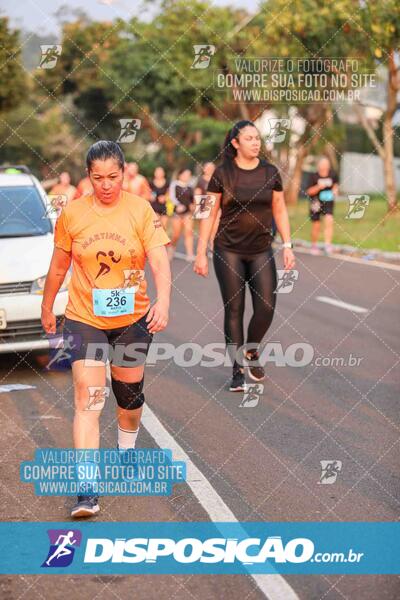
(249, 192)
(159, 189)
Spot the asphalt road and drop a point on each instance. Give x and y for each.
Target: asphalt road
(264, 461)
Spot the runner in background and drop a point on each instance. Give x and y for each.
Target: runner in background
(201, 188)
(126, 179)
(322, 190)
(182, 196)
(83, 188)
(137, 183)
(204, 179)
(159, 188)
(64, 187)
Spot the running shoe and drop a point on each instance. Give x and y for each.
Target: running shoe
(315, 250)
(238, 382)
(256, 371)
(87, 506)
(328, 249)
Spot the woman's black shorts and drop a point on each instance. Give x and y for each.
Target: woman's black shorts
(123, 346)
(318, 209)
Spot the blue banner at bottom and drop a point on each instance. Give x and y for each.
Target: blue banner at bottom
(199, 548)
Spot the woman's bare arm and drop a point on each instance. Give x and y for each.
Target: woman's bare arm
(157, 318)
(280, 214)
(205, 229)
(59, 265)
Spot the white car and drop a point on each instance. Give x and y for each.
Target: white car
(26, 245)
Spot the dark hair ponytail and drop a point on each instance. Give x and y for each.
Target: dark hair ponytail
(228, 154)
(102, 150)
(229, 151)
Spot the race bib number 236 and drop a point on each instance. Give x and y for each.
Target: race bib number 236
(112, 303)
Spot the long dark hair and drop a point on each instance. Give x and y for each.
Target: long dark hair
(229, 152)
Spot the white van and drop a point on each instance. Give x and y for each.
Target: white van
(26, 245)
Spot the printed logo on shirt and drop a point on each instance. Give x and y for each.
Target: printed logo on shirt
(105, 267)
(133, 278)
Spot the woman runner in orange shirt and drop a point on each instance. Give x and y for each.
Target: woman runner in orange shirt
(107, 236)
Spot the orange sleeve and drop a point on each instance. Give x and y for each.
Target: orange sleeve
(153, 233)
(62, 237)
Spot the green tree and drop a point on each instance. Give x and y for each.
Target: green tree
(378, 29)
(308, 29)
(155, 81)
(41, 140)
(79, 78)
(12, 76)
(368, 31)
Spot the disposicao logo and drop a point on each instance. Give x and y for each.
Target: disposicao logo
(62, 547)
(191, 550)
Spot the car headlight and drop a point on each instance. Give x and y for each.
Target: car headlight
(37, 286)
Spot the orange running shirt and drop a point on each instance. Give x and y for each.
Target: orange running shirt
(106, 244)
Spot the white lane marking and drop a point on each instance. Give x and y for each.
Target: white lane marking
(353, 259)
(15, 387)
(46, 417)
(274, 587)
(340, 304)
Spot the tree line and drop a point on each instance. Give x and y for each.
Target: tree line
(141, 69)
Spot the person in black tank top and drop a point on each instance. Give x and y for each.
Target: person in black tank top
(159, 189)
(249, 192)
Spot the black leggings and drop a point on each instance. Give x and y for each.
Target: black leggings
(233, 270)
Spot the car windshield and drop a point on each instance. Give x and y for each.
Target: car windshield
(22, 212)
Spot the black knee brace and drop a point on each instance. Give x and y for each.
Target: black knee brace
(128, 395)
